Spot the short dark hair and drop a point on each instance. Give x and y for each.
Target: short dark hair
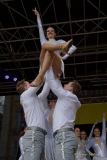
(19, 86)
(76, 87)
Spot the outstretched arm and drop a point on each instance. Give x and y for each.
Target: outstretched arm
(41, 32)
(71, 50)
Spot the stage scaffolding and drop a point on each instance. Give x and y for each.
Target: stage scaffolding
(20, 46)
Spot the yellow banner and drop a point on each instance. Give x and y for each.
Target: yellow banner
(89, 113)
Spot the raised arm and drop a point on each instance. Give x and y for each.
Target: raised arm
(90, 135)
(43, 97)
(41, 32)
(103, 136)
(57, 88)
(89, 143)
(45, 91)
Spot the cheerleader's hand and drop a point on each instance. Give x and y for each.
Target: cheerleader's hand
(92, 154)
(35, 11)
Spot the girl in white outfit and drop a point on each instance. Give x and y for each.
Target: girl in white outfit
(51, 45)
(98, 143)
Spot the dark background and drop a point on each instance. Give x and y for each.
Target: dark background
(84, 20)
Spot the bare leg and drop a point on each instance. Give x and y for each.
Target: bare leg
(42, 55)
(45, 64)
(46, 57)
(53, 47)
(56, 66)
(56, 63)
(49, 59)
(63, 46)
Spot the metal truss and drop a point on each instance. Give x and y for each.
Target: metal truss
(20, 46)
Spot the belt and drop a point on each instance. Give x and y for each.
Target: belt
(62, 130)
(37, 129)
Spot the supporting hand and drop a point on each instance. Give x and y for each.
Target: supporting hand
(38, 81)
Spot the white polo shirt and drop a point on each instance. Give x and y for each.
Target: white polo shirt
(67, 103)
(32, 106)
(65, 110)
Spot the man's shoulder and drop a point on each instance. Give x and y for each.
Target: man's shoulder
(28, 91)
(70, 94)
(74, 97)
